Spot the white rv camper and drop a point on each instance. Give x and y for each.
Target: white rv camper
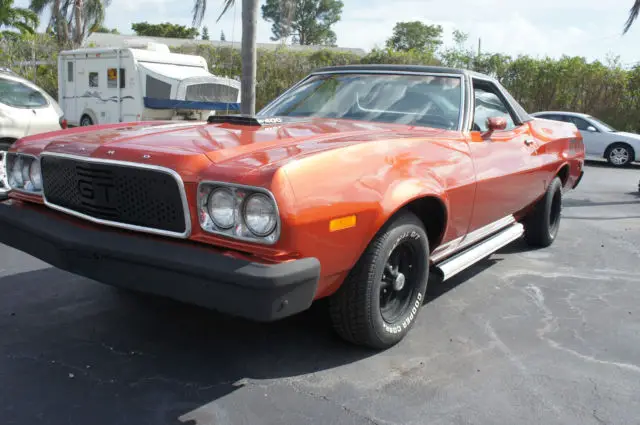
(111, 85)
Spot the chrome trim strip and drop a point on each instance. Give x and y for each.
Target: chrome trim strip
(460, 262)
(172, 173)
(15, 189)
(257, 189)
(473, 237)
(265, 110)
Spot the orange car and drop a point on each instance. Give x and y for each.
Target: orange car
(354, 185)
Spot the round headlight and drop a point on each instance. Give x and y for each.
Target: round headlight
(260, 214)
(15, 174)
(35, 176)
(25, 171)
(221, 206)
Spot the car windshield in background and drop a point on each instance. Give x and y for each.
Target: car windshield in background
(606, 127)
(421, 100)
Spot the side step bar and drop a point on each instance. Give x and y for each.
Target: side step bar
(475, 253)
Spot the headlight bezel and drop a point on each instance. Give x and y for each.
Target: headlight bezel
(27, 160)
(239, 230)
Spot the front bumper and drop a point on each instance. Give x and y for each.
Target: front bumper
(180, 270)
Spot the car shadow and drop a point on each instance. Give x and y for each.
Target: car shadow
(605, 164)
(76, 352)
(588, 203)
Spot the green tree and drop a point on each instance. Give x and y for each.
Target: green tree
(306, 21)
(164, 29)
(222, 36)
(415, 36)
(12, 18)
(72, 20)
(104, 30)
(249, 51)
(205, 33)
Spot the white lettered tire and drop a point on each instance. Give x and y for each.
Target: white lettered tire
(378, 303)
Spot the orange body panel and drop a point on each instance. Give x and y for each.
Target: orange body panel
(322, 169)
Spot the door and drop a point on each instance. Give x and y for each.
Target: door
(594, 141)
(505, 161)
(69, 95)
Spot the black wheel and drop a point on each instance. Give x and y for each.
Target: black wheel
(85, 121)
(379, 301)
(620, 154)
(542, 224)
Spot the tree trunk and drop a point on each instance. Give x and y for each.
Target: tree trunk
(77, 13)
(249, 56)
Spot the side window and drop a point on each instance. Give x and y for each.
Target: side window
(488, 103)
(112, 78)
(552, 117)
(579, 122)
(70, 71)
(158, 89)
(18, 95)
(93, 79)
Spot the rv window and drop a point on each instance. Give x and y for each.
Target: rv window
(93, 79)
(158, 89)
(209, 92)
(112, 78)
(70, 71)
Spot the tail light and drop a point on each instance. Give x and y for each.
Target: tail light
(63, 123)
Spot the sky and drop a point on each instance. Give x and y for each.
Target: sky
(589, 28)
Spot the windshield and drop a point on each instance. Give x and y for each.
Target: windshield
(606, 127)
(422, 100)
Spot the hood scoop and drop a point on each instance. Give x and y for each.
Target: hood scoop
(248, 120)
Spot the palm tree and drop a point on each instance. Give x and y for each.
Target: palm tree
(72, 20)
(249, 54)
(633, 15)
(24, 20)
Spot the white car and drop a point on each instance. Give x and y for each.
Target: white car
(25, 109)
(600, 140)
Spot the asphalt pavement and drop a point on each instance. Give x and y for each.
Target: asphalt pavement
(550, 336)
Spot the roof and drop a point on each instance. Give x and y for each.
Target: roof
(395, 68)
(568, 113)
(121, 40)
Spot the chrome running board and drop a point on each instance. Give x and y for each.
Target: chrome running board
(454, 265)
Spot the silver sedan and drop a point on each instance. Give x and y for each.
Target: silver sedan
(600, 140)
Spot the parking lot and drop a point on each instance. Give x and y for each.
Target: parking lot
(525, 337)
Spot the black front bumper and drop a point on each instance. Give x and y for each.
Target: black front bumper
(176, 269)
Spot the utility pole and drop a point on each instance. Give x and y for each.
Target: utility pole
(479, 46)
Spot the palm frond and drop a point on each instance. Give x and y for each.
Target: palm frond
(199, 8)
(227, 5)
(633, 15)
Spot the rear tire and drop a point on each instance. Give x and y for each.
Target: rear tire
(86, 121)
(620, 154)
(542, 224)
(378, 302)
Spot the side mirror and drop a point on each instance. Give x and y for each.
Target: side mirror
(493, 124)
(591, 129)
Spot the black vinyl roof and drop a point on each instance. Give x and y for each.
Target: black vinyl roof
(399, 68)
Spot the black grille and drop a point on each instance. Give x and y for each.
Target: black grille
(127, 195)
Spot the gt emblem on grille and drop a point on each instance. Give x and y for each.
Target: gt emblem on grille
(99, 194)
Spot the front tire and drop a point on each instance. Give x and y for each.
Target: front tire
(542, 224)
(620, 154)
(378, 303)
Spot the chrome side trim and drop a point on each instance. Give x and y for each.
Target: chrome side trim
(465, 259)
(472, 238)
(172, 173)
(255, 189)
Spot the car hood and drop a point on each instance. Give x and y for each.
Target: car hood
(240, 146)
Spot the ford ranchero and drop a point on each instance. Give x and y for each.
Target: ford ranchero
(354, 185)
